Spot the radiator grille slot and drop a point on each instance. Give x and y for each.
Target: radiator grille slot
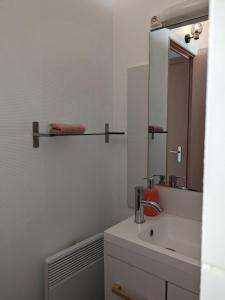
(73, 260)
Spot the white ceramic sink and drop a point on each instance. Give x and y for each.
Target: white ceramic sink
(166, 245)
(161, 236)
(175, 234)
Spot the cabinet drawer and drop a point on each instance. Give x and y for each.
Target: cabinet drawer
(177, 293)
(134, 282)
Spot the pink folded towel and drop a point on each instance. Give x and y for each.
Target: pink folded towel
(61, 128)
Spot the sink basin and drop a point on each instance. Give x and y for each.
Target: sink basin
(165, 237)
(166, 245)
(178, 235)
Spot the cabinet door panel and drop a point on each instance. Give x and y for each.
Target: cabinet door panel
(134, 282)
(177, 293)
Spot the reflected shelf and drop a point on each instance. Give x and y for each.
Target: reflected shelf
(156, 132)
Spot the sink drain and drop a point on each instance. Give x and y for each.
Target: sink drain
(151, 232)
(171, 249)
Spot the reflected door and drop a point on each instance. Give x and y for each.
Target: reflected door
(177, 119)
(197, 122)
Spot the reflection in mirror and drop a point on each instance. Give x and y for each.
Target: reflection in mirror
(177, 95)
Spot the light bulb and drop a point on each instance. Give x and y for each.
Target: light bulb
(196, 30)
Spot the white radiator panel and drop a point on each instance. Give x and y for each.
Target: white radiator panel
(76, 272)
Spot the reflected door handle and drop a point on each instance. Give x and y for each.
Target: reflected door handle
(178, 152)
(117, 290)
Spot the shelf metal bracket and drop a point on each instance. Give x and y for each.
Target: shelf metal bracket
(36, 134)
(106, 133)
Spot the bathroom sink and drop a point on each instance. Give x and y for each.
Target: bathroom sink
(175, 234)
(166, 245)
(165, 236)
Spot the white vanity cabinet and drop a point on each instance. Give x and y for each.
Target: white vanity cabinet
(132, 282)
(131, 276)
(177, 293)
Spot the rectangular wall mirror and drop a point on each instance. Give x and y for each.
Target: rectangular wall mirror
(177, 96)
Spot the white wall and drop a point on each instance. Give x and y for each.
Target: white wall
(159, 49)
(56, 65)
(131, 48)
(137, 129)
(213, 246)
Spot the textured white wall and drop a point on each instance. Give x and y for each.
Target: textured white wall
(213, 245)
(56, 64)
(159, 47)
(131, 48)
(137, 129)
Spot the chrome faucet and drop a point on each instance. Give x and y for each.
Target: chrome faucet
(140, 203)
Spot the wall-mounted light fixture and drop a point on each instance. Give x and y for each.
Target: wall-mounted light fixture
(196, 30)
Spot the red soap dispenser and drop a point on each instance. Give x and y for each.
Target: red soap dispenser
(151, 194)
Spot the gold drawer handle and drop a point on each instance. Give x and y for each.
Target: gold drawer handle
(117, 289)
